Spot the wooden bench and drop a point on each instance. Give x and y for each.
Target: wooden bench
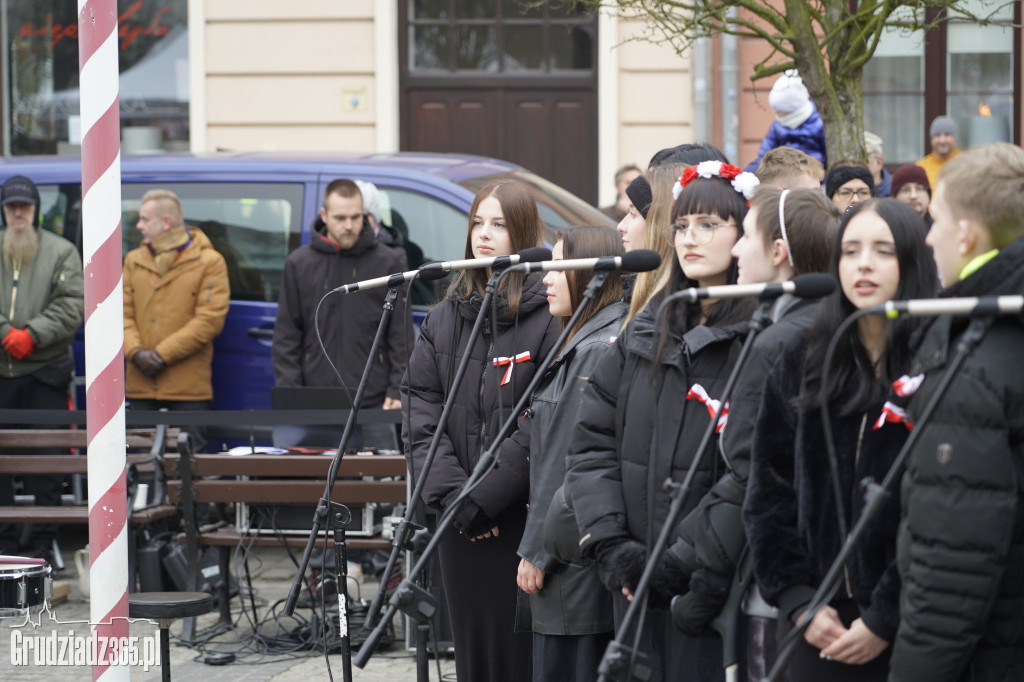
(156, 441)
(273, 479)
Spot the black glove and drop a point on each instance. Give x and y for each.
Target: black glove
(620, 563)
(668, 579)
(471, 520)
(693, 612)
(149, 362)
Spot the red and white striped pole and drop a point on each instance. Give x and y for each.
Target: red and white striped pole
(104, 327)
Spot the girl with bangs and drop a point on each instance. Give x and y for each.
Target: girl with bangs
(477, 556)
(644, 411)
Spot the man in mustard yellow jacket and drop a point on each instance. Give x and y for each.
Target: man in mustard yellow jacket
(176, 296)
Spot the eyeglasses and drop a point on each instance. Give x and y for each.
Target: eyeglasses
(847, 193)
(700, 233)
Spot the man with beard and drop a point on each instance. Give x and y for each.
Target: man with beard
(942, 134)
(41, 307)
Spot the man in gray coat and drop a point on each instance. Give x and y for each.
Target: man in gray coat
(41, 307)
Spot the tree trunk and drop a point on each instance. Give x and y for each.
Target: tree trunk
(842, 112)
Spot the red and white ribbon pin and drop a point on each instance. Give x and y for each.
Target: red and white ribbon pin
(907, 385)
(697, 391)
(894, 414)
(511, 362)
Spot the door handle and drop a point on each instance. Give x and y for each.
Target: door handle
(259, 333)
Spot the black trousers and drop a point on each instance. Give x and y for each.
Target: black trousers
(568, 658)
(197, 432)
(28, 393)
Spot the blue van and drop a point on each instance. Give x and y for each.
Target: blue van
(259, 207)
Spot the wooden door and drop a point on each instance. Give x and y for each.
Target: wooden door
(483, 77)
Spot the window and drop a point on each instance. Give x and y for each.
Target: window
(253, 225)
(40, 79)
(960, 69)
(499, 36)
(432, 231)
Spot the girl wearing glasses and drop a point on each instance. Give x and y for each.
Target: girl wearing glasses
(645, 409)
(790, 513)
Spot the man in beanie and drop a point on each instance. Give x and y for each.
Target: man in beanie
(797, 123)
(876, 164)
(41, 308)
(848, 183)
(623, 177)
(943, 138)
(910, 185)
(633, 226)
(176, 295)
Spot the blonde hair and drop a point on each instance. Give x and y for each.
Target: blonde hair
(989, 184)
(659, 217)
(166, 203)
(782, 165)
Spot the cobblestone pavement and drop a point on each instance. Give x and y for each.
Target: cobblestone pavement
(272, 577)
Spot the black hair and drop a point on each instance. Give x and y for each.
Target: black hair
(854, 385)
(690, 153)
(711, 196)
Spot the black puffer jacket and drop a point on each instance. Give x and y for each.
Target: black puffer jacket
(475, 415)
(636, 429)
(348, 322)
(790, 511)
(961, 543)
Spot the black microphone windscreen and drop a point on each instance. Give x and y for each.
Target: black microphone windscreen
(641, 260)
(534, 255)
(813, 285)
(428, 274)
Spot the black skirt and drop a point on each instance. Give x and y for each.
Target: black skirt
(480, 588)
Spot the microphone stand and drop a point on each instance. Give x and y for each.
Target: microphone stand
(320, 515)
(876, 494)
(410, 598)
(626, 664)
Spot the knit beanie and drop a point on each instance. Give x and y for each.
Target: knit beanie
(840, 175)
(371, 198)
(909, 173)
(789, 93)
(639, 193)
(942, 124)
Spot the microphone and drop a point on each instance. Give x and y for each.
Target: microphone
(390, 280)
(988, 305)
(812, 285)
(641, 260)
(537, 253)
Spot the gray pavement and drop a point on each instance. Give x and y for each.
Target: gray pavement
(272, 572)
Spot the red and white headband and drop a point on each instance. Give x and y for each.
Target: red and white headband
(741, 181)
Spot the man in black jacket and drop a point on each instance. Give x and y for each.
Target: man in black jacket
(343, 249)
(961, 543)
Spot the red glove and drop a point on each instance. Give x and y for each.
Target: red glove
(19, 343)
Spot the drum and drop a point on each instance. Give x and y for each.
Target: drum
(25, 585)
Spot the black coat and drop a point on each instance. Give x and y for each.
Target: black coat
(348, 322)
(475, 415)
(636, 429)
(573, 601)
(961, 543)
(790, 511)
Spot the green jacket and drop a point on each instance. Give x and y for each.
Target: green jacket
(47, 300)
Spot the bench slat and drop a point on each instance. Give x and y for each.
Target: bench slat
(294, 491)
(229, 537)
(287, 465)
(137, 439)
(53, 464)
(70, 514)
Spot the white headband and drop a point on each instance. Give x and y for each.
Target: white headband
(782, 225)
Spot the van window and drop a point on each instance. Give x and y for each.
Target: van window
(432, 230)
(253, 225)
